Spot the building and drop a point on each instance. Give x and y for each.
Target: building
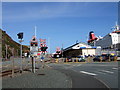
(81, 49)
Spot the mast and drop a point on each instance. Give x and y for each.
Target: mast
(35, 31)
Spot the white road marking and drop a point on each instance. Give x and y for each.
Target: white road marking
(103, 65)
(114, 68)
(88, 73)
(74, 65)
(68, 67)
(107, 71)
(79, 64)
(101, 72)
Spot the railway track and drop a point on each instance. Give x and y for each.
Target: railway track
(12, 72)
(9, 72)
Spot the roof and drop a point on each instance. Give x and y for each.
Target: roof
(80, 45)
(70, 47)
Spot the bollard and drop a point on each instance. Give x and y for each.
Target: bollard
(66, 60)
(100, 58)
(115, 58)
(88, 59)
(109, 59)
(76, 59)
(57, 60)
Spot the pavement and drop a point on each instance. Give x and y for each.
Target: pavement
(43, 78)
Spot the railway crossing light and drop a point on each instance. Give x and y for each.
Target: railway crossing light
(44, 48)
(20, 35)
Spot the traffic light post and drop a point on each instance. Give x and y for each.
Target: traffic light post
(20, 36)
(21, 55)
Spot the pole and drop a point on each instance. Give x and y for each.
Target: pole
(34, 65)
(49, 44)
(13, 62)
(62, 50)
(43, 61)
(94, 43)
(21, 55)
(6, 52)
(35, 30)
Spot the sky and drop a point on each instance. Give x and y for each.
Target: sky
(60, 23)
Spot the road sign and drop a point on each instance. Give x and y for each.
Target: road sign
(33, 44)
(33, 49)
(42, 58)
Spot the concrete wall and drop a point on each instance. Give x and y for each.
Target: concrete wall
(88, 52)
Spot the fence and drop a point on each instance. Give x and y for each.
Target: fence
(14, 65)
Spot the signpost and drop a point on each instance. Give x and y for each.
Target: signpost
(34, 51)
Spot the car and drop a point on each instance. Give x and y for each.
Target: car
(69, 59)
(107, 57)
(81, 59)
(118, 58)
(104, 57)
(97, 58)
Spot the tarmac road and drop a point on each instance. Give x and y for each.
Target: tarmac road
(82, 80)
(91, 75)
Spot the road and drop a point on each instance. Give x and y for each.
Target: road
(98, 74)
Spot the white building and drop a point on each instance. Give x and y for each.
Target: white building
(81, 49)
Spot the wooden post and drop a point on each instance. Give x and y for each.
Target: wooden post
(12, 62)
(12, 67)
(6, 51)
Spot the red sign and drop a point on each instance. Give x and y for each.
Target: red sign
(38, 53)
(42, 42)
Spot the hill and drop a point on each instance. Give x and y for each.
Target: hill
(10, 46)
